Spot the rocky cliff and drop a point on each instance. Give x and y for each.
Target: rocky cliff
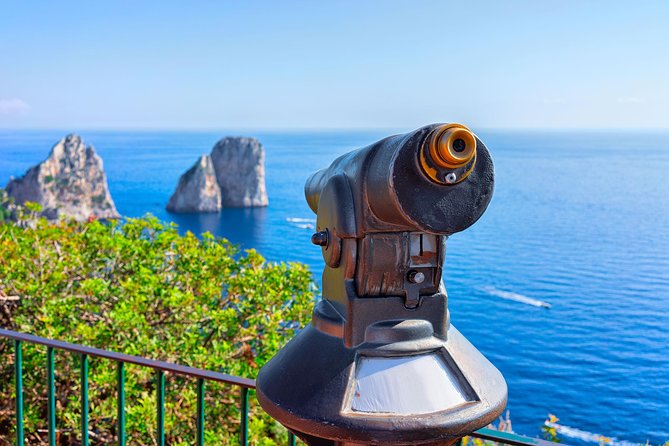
(240, 170)
(70, 182)
(198, 189)
(238, 165)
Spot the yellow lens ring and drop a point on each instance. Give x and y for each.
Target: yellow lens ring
(448, 154)
(452, 146)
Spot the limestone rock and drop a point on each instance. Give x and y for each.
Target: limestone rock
(198, 189)
(239, 163)
(70, 182)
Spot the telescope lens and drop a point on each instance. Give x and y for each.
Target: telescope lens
(459, 145)
(452, 146)
(448, 152)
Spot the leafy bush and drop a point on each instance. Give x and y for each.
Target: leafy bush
(140, 288)
(6, 204)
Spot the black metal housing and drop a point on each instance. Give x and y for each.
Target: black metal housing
(382, 226)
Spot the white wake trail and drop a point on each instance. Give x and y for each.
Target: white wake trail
(302, 223)
(579, 434)
(508, 295)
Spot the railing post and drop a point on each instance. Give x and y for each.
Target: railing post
(200, 412)
(160, 400)
(51, 395)
(18, 383)
(244, 434)
(84, 400)
(120, 402)
(291, 439)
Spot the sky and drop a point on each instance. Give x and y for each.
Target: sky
(336, 64)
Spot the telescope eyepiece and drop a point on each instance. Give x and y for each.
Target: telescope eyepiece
(448, 154)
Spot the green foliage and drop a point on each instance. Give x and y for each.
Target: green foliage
(5, 206)
(35, 208)
(140, 288)
(548, 430)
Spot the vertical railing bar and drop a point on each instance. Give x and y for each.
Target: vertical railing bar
(160, 400)
(291, 439)
(244, 434)
(51, 395)
(18, 383)
(120, 402)
(200, 412)
(84, 400)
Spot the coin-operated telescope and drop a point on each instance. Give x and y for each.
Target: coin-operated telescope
(380, 362)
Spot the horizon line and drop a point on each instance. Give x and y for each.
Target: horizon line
(320, 129)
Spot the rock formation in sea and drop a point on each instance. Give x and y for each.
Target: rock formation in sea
(198, 189)
(238, 167)
(71, 182)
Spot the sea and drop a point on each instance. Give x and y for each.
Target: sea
(563, 283)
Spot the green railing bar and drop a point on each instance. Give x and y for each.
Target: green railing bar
(200, 412)
(18, 383)
(244, 433)
(291, 439)
(120, 402)
(160, 400)
(170, 367)
(51, 395)
(84, 400)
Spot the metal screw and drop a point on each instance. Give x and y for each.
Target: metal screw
(320, 238)
(450, 178)
(416, 277)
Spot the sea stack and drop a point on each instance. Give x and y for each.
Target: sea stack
(198, 189)
(71, 182)
(237, 165)
(240, 169)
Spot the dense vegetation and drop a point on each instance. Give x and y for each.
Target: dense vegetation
(139, 287)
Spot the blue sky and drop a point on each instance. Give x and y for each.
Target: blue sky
(245, 64)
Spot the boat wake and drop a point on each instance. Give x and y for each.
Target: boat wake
(302, 223)
(508, 295)
(579, 434)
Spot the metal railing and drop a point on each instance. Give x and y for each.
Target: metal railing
(160, 367)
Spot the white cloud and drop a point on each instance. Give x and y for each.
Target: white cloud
(631, 100)
(13, 106)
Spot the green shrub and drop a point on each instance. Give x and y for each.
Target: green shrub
(5, 206)
(140, 288)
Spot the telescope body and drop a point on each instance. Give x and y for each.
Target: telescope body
(380, 362)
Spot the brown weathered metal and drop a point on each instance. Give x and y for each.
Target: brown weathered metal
(384, 213)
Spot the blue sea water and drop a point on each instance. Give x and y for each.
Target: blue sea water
(580, 221)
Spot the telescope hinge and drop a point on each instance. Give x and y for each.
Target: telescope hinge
(412, 299)
(398, 264)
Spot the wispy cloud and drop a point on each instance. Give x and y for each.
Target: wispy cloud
(631, 100)
(13, 107)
